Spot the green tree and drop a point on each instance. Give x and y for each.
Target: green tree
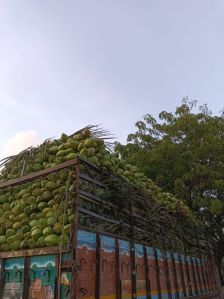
(183, 152)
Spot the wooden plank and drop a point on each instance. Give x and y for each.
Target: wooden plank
(31, 252)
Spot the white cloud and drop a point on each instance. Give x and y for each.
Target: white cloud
(19, 142)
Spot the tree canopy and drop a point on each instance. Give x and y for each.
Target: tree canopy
(183, 152)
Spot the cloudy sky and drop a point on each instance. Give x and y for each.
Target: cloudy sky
(66, 64)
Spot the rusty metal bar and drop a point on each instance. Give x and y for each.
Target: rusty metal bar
(75, 232)
(177, 294)
(183, 285)
(2, 277)
(205, 275)
(147, 281)
(38, 174)
(98, 267)
(168, 285)
(157, 265)
(187, 269)
(57, 289)
(117, 269)
(133, 272)
(199, 276)
(157, 273)
(26, 277)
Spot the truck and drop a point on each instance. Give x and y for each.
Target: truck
(120, 246)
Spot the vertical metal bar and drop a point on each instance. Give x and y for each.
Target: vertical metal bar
(187, 267)
(147, 281)
(26, 277)
(205, 275)
(157, 273)
(74, 231)
(157, 265)
(98, 266)
(117, 269)
(212, 289)
(177, 294)
(57, 277)
(183, 285)
(133, 271)
(182, 269)
(2, 277)
(199, 276)
(194, 276)
(167, 271)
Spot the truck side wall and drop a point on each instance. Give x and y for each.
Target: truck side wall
(98, 258)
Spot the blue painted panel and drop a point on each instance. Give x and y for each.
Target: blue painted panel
(150, 252)
(86, 239)
(108, 244)
(42, 276)
(124, 247)
(14, 275)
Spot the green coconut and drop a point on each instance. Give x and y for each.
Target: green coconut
(51, 240)
(47, 231)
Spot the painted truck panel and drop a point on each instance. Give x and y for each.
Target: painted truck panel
(13, 278)
(104, 262)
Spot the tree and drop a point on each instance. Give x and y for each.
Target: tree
(183, 152)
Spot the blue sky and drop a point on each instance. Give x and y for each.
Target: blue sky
(66, 64)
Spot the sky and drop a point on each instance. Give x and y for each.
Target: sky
(66, 64)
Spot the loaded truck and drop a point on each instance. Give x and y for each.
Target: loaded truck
(77, 229)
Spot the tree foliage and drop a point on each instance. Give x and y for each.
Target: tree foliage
(183, 152)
